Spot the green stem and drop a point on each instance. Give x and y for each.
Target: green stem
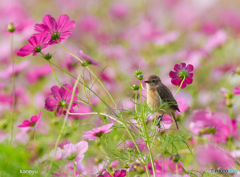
(230, 113)
(34, 133)
(13, 89)
(146, 133)
(95, 113)
(180, 86)
(65, 120)
(182, 167)
(75, 168)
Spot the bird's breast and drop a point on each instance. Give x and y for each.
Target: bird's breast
(153, 99)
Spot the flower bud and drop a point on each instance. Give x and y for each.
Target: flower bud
(135, 87)
(229, 95)
(99, 160)
(138, 72)
(140, 77)
(175, 157)
(11, 28)
(140, 169)
(48, 56)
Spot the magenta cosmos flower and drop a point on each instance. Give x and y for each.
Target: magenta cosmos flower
(88, 60)
(236, 91)
(36, 43)
(180, 72)
(120, 173)
(32, 122)
(58, 29)
(61, 100)
(97, 132)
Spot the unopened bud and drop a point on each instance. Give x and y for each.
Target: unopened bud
(135, 87)
(138, 72)
(140, 77)
(140, 169)
(48, 56)
(175, 157)
(11, 27)
(229, 95)
(99, 160)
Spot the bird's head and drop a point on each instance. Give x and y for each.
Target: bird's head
(153, 82)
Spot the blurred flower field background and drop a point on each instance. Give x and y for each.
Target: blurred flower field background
(118, 42)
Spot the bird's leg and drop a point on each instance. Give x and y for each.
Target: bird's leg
(159, 121)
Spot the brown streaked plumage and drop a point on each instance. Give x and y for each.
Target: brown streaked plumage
(157, 92)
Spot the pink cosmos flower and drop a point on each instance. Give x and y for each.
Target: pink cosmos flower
(58, 29)
(236, 91)
(61, 100)
(181, 71)
(89, 24)
(75, 152)
(209, 28)
(7, 73)
(97, 132)
(37, 43)
(215, 156)
(119, 10)
(88, 60)
(35, 73)
(210, 125)
(215, 41)
(141, 145)
(71, 151)
(32, 122)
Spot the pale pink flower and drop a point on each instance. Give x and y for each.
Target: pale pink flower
(215, 41)
(166, 38)
(7, 73)
(35, 73)
(75, 152)
(119, 9)
(71, 151)
(97, 132)
(89, 24)
(214, 156)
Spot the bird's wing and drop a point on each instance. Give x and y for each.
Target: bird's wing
(167, 97)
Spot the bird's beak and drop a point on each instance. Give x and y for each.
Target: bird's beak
(146, 81)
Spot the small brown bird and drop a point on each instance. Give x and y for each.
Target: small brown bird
(158, 93)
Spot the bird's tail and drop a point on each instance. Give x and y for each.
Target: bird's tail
(174, 118)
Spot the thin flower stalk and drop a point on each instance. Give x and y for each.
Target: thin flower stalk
(129, 132)
(145, 130)
(13, 89)
(65, 121)
(179, 86)
(110, 97)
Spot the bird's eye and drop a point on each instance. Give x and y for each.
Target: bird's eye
(153, 80)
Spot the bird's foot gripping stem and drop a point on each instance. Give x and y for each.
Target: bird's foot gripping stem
(159, 121)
